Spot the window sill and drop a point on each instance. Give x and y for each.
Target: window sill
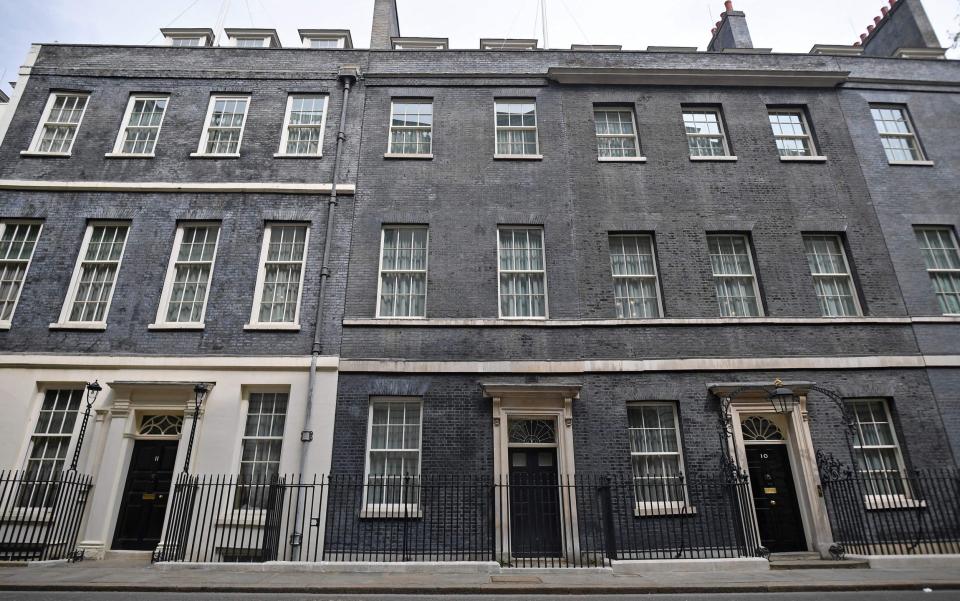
(406, 318)
(908, 163)
(203, 155)
(283, 155)
(886, 502)
(401, 155)
(715, 158)
(621, 159)
(5, 325)
(373, 512)
(122, 155)
(518, 157)
(176, 326)
(243, 517)
(650, 510)
(98, 326)
(275, 327)
(33, 153)
(530, 318)
(27, 514)
(804, 159)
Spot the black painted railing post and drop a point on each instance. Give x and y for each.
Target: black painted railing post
(606, 506)
(93, 389)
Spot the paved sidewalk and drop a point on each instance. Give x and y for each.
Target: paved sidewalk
(130, 576)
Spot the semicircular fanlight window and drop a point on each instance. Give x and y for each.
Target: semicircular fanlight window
(161, 425)
(532, 431)
(760, 428)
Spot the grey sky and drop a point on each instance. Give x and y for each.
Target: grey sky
(784, 26)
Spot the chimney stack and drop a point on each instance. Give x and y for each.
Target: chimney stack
(903, 30)
(731, 30)
(386, 24)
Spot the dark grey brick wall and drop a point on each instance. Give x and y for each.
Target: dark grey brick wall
(457, 419)
(463, 194)
(153, 219)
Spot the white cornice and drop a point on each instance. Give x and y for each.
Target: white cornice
(231, 187)
(650, 365)
(274, 363)
(591, 323)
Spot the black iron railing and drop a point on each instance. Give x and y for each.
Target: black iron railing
(889, 513)
(531, 522)
(40, 514)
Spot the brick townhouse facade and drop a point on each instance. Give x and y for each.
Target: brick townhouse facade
(412, 264)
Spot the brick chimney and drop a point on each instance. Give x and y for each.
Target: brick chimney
(731, 30)
(902, 31)
(386, 24)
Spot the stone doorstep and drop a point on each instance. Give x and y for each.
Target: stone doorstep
(819, 564)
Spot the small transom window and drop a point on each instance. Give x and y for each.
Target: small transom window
(533, 431)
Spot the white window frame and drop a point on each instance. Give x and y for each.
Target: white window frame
(546, 291)
(125, 125)
(255, 323)
(753, 274)
(339, 39)
(883, 501)
(64, 321)
(391, 510)
(205, 133)
(264, 41)
(535, 127)
(161, 321)
(285, 132)
(34, 148)
(723, 133)
(655, 508)
(804, 125)
(38, 512)
(655, 276)
(638, 157)
(911, 134)
(250, 514)
(848, 275)
(392, 128)
(931, 271)
(200, 40)
(5, 324)
(425, 270)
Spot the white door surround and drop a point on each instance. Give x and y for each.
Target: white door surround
(800, 451)
(120, 420)
(531, 401)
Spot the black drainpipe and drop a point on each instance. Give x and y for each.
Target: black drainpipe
(346, 74)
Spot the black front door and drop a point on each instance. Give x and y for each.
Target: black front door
(534, 503)
(775, 498)
(144, 502)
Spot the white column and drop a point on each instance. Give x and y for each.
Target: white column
(108, 482)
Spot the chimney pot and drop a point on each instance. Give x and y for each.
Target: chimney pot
(713, 31)
(863, 37)
(884, 10)
(870, 29)
(892, 2)
(876, 20)
(728, 4)
(856, 44)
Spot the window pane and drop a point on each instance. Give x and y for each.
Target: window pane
(938, 246)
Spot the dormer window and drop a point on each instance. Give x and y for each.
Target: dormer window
(253, 38)
(186, 41)
(252, 42)
(326, 38)
(184, 37)
(507, 44)
(420, 43)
